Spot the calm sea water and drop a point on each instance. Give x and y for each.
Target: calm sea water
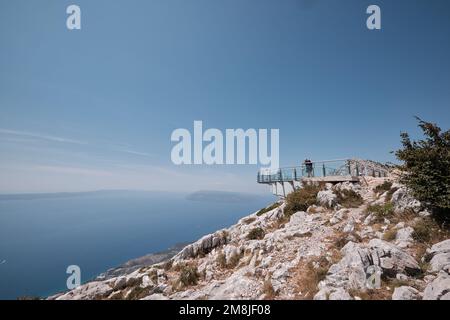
(39, 238)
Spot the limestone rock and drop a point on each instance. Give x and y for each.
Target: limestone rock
(204, 245)
(405, 293)
(440, 253)
(403, 238)
(338, 216)
(327, 198)
(392, 259)
(438, 289)
(402, 201)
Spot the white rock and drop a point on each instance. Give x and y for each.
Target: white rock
(405, 293)
(338, 216)
(402, 201)
(392, 259)
(440, 253)
(438, 289)
(327, 198)
(403, 238)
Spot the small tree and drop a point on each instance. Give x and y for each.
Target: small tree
(426, 167)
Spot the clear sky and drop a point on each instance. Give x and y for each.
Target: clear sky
(94, 108)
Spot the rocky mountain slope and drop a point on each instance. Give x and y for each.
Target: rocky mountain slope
(359, 241)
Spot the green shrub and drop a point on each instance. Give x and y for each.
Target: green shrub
(301, 199)
(382, 188)
(256, 234)
(269, 208)
(349, 198)
(381, 212)
(426, 167)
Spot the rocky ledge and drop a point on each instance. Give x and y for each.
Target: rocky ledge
(382, 245)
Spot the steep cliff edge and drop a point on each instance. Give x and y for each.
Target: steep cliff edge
(359, 241)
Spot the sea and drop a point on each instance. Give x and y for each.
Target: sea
(40, 236)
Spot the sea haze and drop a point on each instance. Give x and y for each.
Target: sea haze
(40, 235)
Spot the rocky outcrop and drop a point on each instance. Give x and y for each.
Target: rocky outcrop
(361, 262)
(439, 288)
(440, 253)
(403, 201)
(328, 252)
(203, 246)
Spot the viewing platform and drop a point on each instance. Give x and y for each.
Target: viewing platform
(287, 179)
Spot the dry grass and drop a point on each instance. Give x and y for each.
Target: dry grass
(234, 260)
(340, 239)
(372, 294)
(268, 290)
(308, 274)
(302, 199)
(231, 264)
(390, 235)
(349, 198)
(221, 260)
(429, 232)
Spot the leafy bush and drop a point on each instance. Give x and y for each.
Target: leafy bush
(256, 234)
(382, 188)
(426, 167)
(349, 198)
(269, 208)
(301, 199)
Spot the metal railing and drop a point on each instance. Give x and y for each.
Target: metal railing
(317, 169)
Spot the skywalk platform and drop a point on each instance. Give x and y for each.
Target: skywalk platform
(287, 179)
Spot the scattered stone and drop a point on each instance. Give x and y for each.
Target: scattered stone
(327, 198)
(405, 293)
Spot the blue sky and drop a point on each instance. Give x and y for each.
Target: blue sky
(95, 108)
